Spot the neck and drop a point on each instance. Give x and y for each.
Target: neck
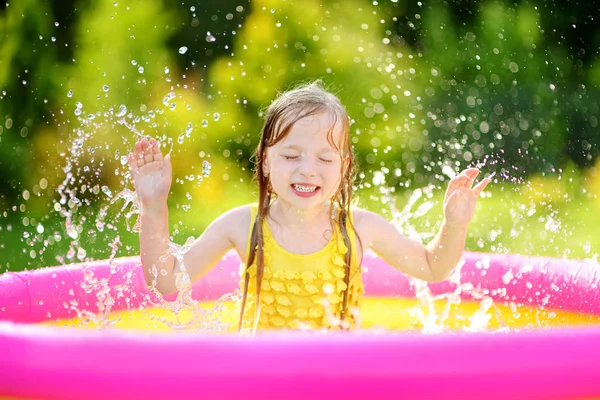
(299, 218)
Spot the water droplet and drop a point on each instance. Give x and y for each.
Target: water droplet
(53, 38)
(56, 24)
(183, 50)
(167, 99)
(188, 129)
(133, 62)
(448, 171)
(105, 88)
(122, 111)
(70, 94)
(507, 277)
(217, 116)
(180, 138)
(141, 69)
(78, 111)
(72, 232)
(91, 116)
(100, 226)
(210, 38)
(166, 70)
(206, 168)
(204, 123)
(106, 190)
(81, 253)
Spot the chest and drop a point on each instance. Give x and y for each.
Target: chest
(303, 242)
(296, 243)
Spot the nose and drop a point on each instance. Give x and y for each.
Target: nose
(307, 167)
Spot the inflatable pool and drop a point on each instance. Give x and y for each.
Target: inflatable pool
(541, 339)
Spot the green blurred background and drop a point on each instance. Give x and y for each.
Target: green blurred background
(433, 87)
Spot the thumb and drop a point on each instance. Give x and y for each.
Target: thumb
(167, 168)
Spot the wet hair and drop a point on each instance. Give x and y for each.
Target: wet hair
(281, 115)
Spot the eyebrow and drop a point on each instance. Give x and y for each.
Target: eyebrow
(298, 148)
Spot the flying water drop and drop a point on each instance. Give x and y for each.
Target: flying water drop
(210, 38)
(122, 111)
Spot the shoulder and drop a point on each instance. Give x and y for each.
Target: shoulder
(361, 216)
(238, 215)
(235, 225)
(367, 223)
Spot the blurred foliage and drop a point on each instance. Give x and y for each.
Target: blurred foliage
(432, 87)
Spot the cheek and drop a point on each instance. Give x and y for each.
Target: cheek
(334, 175)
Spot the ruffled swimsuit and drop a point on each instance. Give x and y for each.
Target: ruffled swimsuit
(302, 290)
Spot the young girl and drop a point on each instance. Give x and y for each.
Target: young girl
(302, 242)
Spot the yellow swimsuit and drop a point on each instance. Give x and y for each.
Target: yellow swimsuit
(302, 290)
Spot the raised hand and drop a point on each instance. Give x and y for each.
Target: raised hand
(152, 174)
(461, 197)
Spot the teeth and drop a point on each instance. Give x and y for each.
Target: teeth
(306, 189)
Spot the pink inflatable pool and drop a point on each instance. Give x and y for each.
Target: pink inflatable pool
(42, 361)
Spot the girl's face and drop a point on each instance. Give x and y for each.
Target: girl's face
(304, 169)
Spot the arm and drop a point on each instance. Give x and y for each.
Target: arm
(435, 261)
(151, 174)
(204, 253)
(152, 179)
(154, 244)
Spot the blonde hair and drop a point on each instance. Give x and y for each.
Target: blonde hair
(281, 115)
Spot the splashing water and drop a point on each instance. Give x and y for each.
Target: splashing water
(432, 321)
(122, 206)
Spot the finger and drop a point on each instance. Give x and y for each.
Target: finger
(481, 185)
(156, 153)
(147, 151)
(167, 165)
(472, 174)
(132, 164)
(138, 148)
(138, 155)
(459, 181)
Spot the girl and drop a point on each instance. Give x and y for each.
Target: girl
(301, 245)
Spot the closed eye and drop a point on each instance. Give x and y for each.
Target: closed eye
(296, 157)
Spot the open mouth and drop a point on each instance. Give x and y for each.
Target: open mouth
(304, 190)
